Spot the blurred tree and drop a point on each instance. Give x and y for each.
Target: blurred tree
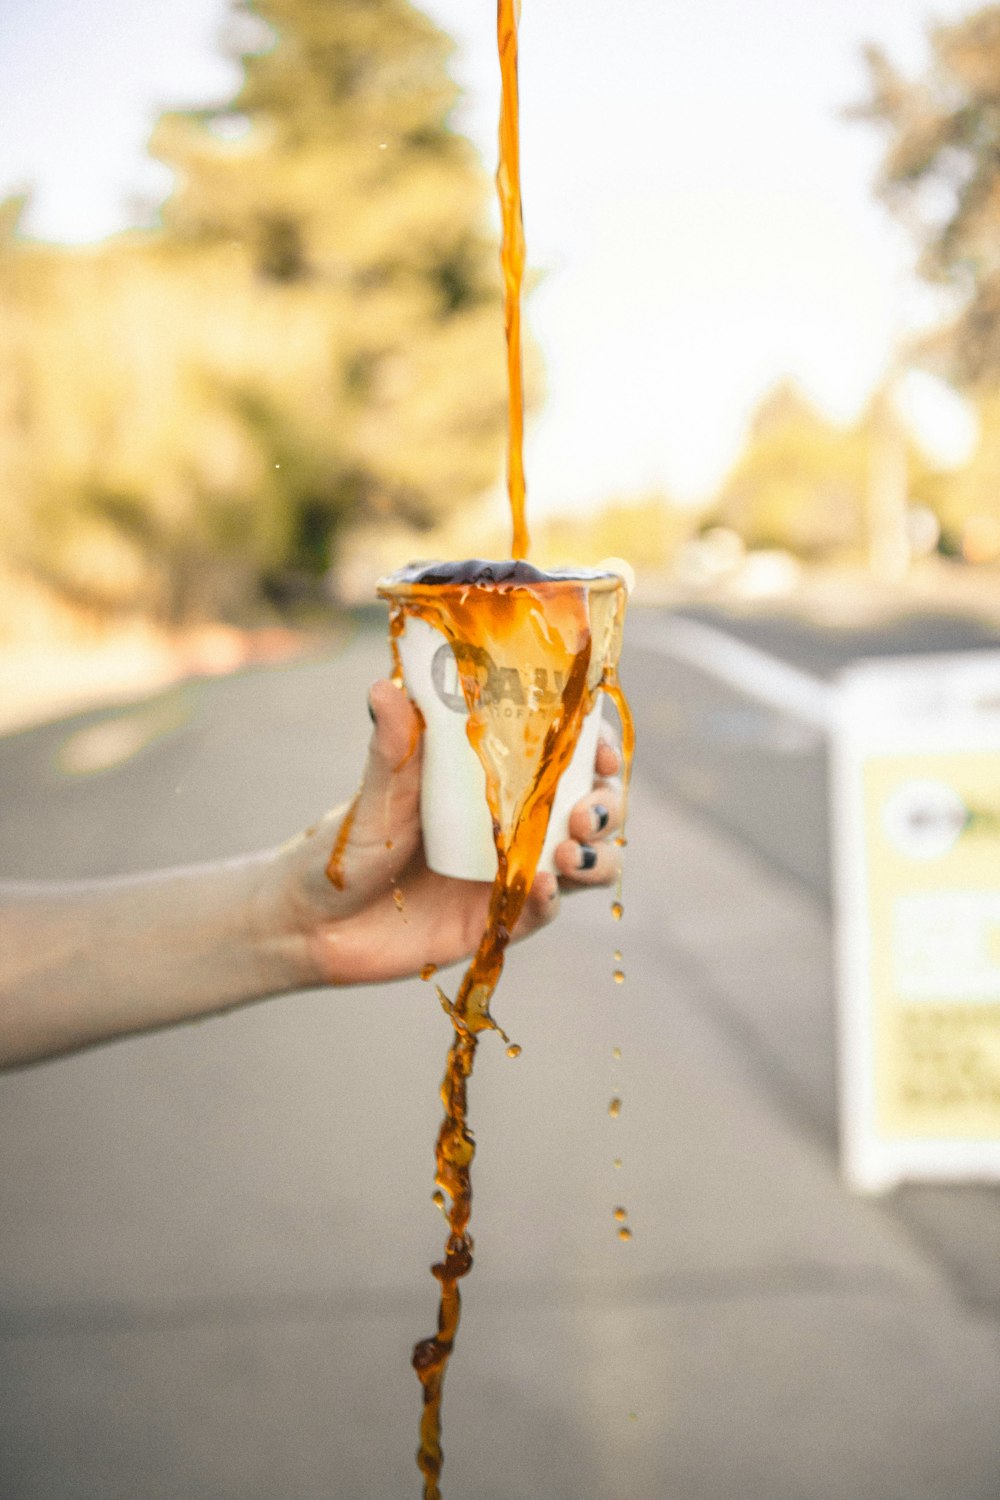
(336, 174)
(968, 498)
(190, 416)
(800, 482)
(647, 531)
(818, 489)
(941, 173)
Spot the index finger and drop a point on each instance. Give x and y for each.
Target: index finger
(608, 761)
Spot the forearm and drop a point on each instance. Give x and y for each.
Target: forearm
(84, 962)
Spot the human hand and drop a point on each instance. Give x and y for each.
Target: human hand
(388, 915)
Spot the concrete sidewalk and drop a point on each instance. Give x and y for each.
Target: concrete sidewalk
(214, 1243)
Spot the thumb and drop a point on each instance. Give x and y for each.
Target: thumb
(398, 725)
(388, 802)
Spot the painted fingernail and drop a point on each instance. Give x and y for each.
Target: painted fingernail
(588, 857)
(601, 816)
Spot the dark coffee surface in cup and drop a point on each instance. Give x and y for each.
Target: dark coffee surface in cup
(478, 571)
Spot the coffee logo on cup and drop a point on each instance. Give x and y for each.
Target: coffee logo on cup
(500, 688)
(447, 684)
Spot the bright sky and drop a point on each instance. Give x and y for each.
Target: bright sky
(701, 211)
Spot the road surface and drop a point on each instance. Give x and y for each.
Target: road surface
(214, 1242)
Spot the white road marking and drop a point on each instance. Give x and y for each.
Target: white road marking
(791, 691)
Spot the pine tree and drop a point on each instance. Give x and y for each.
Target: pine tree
(336, 183)
(312, 339)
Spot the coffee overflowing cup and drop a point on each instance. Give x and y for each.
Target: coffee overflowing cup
(505, 663)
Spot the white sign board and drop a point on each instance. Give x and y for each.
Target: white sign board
(916, 837)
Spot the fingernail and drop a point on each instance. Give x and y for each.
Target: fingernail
(588, 857)
(601, 816)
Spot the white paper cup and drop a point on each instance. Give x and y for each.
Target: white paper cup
(522, 638)
(457, 826)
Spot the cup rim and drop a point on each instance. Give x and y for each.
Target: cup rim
(398, 586)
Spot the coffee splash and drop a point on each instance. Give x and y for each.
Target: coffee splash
(568, 627)
(497, 617)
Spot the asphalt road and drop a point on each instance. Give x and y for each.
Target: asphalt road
(214, 1242)
(825, 649)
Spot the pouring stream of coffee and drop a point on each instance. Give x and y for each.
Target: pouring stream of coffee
(513, 614)
(512, 256)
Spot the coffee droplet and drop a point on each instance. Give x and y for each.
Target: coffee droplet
(428, 970)
(388, 843)
(624, 1233)
(398, 899)
(617, 910)
(617, 1163)
(616, 1053)
(615, 1108)
(621, 841)
(620, 1215)
(618, 955)
(513, 1050)
(632, 1416)
(437, 1198)
(619, 976)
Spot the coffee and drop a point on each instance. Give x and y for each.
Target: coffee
(498, 641)
(532, 652)
(512, 258)
(477, 571)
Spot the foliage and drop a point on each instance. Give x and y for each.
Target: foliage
(800, 482)
(968, 498)
(941, 173)
(191, 416)
(814, 487)
(646, 531)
